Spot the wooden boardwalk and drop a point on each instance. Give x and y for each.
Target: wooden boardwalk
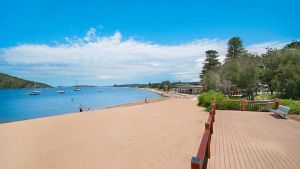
(253, 140)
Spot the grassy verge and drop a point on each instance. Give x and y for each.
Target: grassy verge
(293, 104)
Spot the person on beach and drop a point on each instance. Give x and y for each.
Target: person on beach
(80, 108)
(146, 100)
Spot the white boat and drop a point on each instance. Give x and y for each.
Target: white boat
(61, 91)
(76, 87)
(35, 91)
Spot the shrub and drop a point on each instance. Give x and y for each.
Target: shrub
(205, 99)
(228, 105)
(294, 105)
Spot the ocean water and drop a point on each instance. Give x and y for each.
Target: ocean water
(16, 104)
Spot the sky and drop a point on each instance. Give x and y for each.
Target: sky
(109, 42)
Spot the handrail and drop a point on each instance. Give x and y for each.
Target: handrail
(200, 161)
(250, 105)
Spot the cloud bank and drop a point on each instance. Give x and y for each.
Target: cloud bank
(113, 59)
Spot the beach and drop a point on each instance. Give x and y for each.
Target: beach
(161, 134)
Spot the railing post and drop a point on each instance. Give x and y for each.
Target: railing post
(207, 128)
(276, 103)
(214, 106)
(243, 104)
(195, 163)
(212, 120)
(211, 113)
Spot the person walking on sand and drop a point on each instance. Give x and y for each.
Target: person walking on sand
(80, 108)
(146, 100)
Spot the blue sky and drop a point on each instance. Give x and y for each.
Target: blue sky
(101, 38)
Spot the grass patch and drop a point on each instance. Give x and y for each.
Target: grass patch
(205, 99)
(293, 104)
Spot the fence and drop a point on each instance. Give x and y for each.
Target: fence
(247, 105)
(200, 161)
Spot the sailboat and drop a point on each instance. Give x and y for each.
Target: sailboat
(35, 91)
(61, 91)
(76, 87)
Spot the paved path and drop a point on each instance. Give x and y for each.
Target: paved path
(254, 140)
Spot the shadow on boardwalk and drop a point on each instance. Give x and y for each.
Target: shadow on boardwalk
(253, 140)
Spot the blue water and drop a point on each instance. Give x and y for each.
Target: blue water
(16, 104)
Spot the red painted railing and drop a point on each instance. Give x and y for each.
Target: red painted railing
(200, 161)
(247, 105)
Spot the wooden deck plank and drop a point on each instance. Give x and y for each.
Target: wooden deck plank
(254, 140)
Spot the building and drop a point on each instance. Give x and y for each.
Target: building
(189, 89)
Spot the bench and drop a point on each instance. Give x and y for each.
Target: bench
(281, 110)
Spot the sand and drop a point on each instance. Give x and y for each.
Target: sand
(160, 135)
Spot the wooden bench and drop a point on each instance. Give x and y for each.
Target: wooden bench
(281, 110)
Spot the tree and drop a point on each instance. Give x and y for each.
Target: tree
(281, 71)
(243, 72)
(293, 45)
(166, 85)
(211, 62)
(211, 80)
(269, 64)
(235, 48)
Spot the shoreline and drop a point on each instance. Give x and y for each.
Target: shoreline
(171, 94)
(96, 109)
(134, 103)
(142, 134)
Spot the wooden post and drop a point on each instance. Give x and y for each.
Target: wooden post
(243, 104)
(276, 103)
(211, 123)
(214, 106)
(195, 163)
(207, 128)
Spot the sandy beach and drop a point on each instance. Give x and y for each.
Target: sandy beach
(162, 134)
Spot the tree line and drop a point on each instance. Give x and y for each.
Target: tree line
(11, 82)
(277, 69)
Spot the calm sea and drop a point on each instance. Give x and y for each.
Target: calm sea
(16, 104)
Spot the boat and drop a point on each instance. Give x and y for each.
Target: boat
(35, 91)
(76, 87)
(61, 91)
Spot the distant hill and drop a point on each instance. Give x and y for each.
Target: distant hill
(7, 81)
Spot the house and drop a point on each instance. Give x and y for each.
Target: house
(189, 89)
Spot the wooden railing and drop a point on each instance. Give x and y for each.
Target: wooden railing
(200, 161)
(247, 105)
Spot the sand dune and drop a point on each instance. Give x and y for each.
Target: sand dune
(160, 135)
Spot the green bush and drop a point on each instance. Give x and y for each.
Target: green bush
(205, 99)
(294, 105)
(227, 105)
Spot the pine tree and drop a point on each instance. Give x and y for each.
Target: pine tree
(210, 62)
(235, 48)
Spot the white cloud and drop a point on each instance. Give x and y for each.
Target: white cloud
(104, 77)
(262, 47)
(111, 58)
